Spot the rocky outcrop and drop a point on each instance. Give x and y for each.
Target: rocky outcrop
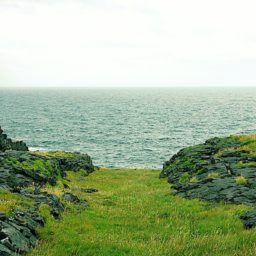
(8, 144)
(221, 169)
(19, 171)
(22, 168)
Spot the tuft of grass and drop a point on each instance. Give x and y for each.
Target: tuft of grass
(241, 180)
(213, 175)
(134, 214)
(10, 201)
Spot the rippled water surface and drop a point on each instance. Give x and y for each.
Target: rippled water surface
(125, 127)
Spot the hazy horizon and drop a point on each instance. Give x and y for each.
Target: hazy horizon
(125, 87)
(85, 43)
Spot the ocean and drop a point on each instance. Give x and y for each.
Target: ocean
(128, 127)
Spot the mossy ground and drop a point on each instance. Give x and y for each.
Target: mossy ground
(134, 214)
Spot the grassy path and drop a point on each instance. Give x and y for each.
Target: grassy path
(134, 214)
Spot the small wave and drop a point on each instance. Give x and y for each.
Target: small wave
(37, 149)
(248, 131)
(39, 130)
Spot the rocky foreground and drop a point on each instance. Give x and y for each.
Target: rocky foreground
(221, 169)
(24, 173)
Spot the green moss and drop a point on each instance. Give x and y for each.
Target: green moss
(203, 162)
(42, 166)
(12, 161)
(184, 177)
(201, 171)
(188, 163)
(177, 161)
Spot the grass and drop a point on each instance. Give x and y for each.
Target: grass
(134, 214)
(10, 201)
(248, 143)
(56, 154)
(213, 175)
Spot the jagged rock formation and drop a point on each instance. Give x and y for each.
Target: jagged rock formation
(20, 169)
(221, 169)
(7, 144)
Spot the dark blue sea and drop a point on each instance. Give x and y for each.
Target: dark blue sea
(125, 127)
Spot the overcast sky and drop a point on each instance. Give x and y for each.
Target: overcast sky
(127, 43)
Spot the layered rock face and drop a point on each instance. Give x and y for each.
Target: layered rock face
(221, 169)
(21, 170)
(7, 144)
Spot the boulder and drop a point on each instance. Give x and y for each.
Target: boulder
(71, 198)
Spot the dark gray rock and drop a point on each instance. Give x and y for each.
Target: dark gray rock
(249, 219)
(4, 251)
(88, 190)
(66, 186)
(71, 198)
(8, 144)
(56, 207)
(2, 216)
(76, 163)
(18, 242)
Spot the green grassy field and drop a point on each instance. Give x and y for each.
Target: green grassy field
(134, 214)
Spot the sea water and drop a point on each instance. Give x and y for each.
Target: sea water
(128, 127)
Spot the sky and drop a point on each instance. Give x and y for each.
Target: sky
(97, 43)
